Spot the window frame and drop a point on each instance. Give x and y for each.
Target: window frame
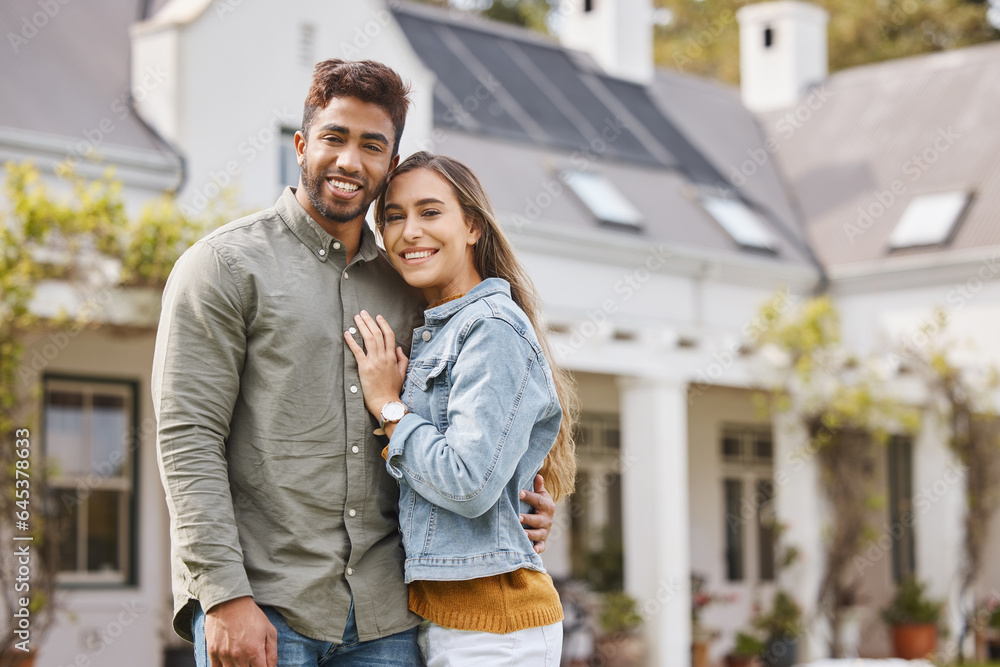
(749, 470)
(128, 574)
(286, 136)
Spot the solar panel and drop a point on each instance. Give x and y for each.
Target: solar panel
(515, 81)
(636, 99)
(466, 90)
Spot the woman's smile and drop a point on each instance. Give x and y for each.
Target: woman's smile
(427, 235)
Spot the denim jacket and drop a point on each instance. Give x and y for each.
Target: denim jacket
(484, 416)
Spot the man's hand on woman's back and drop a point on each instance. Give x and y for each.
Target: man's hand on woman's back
(539, 524)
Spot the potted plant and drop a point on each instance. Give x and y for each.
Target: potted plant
(913, 617)
(620, 644)
(986, 626)
(781, 628)
(746, 651)
(701, 635)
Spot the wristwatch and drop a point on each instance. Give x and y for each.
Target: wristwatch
(391, 412)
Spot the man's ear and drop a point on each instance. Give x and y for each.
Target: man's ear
(392, 166)
(300, 146)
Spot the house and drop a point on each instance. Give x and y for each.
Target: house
(655, 211)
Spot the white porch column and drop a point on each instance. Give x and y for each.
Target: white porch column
(800, 508)
(655, 512)
(939, 514)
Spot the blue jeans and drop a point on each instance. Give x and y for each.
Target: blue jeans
(295, 650)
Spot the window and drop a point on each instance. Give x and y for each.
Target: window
(748, 500)
(289, 175)
(90, 438)
(602, 198)
(900, 470)
(929, 220)
(307, 45)
(595, 509)
(743, 225)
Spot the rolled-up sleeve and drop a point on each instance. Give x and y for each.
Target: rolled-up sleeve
(465, 469)
(199, 356)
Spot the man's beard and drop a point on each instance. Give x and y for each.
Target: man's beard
(315, 185)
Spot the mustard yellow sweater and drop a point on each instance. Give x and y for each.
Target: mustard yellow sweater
(501, 603)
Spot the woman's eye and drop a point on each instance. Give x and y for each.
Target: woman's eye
(393, 218)
(430, 212)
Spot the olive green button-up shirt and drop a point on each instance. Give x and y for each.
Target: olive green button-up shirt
(274, 481)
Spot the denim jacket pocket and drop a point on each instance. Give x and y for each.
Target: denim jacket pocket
(428, 387)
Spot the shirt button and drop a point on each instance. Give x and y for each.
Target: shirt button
(354, 389)
(350, 571)
(353, 330)
(352, 512)
(322, 252)
(355, 449)
(345, 275)
(426, 335)
(336, 246)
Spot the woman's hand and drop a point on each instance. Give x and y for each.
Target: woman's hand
(381, 365)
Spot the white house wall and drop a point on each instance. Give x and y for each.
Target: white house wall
(708, 413)
(239, 77)
(113, 625)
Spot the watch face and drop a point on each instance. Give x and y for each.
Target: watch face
(393, 411)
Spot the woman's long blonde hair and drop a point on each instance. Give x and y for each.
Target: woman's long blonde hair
(494, 258)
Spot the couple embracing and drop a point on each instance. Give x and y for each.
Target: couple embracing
(349, 439)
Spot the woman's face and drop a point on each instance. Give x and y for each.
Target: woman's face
(427, 237)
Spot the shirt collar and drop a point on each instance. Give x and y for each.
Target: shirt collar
(488, 287)
(320, 242)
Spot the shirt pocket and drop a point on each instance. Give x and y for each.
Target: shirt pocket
(428, 384)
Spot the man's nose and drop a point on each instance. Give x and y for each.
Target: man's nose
(349, 159)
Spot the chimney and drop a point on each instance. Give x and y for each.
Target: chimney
(618, 34)
(782, 52)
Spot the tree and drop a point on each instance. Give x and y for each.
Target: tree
(965, 400)
(848, 412)
(531, 14)
(43, 237)
(703, 38)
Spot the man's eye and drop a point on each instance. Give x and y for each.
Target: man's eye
(375, 147)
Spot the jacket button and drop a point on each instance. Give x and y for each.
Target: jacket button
(352, 512)
(350, 571)
(426, 335)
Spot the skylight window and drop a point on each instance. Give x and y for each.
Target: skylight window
(604, 200)
(742, 224)
(929, 220)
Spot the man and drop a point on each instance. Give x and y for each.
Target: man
(284, 532)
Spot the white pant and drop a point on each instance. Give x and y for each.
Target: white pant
(533, 647)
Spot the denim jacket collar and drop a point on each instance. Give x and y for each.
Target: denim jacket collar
(488, 287)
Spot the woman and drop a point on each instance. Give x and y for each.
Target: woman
(480, 411)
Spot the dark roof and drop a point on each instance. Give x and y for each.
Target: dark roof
(71, 76)
(512, 84)
(524, 186)
(731, 137)
(927, 124)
